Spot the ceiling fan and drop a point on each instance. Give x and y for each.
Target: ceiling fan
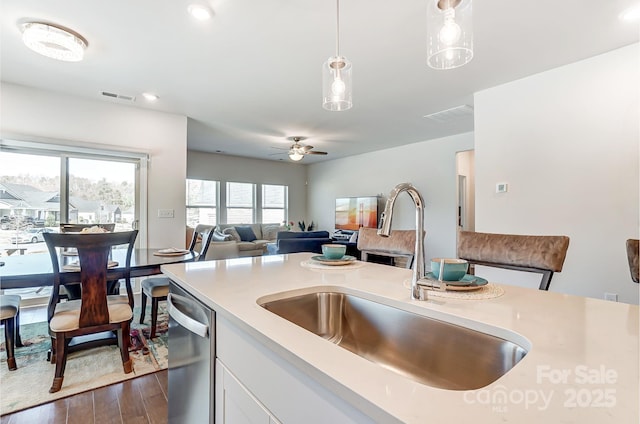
(297, 151)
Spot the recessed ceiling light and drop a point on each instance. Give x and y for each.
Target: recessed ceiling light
(53, 41)
(150, 97)
(200, 12)
(631, 14)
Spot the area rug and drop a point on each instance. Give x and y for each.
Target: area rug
(89, 369)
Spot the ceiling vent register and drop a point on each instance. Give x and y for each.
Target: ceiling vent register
(450, 115)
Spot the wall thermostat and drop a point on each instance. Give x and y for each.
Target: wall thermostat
(502, 187)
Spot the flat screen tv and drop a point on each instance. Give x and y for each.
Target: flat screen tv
(352, 213)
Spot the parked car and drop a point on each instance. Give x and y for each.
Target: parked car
(20, 222)
(32, 235)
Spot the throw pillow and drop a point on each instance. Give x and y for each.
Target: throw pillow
(246, 233)
(218, 236)
(269, 232)
(232, 232)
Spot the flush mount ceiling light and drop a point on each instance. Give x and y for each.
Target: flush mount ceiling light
(200, 12)
(150, 97)
(449, 33)
(53, 41)
(336, 77)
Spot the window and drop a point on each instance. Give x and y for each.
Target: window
(274, 203)
(45, 184)
(202, 202)
(240, 203)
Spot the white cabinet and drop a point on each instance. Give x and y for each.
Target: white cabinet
(234, 403)
(254, 384)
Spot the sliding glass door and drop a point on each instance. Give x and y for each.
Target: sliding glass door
(43, 185)
(102, 191)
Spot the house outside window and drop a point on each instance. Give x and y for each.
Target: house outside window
(241, 203)
(274, 203)
(202, 202)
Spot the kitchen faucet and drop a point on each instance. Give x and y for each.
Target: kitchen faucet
(385, 230)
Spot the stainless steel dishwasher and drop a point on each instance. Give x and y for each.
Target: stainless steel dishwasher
(191, 359)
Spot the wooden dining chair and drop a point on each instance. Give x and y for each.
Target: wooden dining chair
(10, 319)
(95, 311)
(72, 292)
(539, 254)
(157, 288)
(399, 247)
(633, 253)
(76, 228)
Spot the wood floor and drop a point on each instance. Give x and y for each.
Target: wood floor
(137, 401)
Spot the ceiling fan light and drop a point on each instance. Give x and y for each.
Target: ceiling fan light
(449, 33)
(53, 41)
(295, 156)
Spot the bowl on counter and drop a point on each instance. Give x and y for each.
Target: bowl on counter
(454, 269)
(333, 251)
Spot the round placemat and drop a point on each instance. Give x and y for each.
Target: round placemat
(489, 291)
(317, 265)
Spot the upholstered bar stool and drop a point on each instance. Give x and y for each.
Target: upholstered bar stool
(157, 288)
(539, 254)
(633, 254)
(399, 246)
(10, 318)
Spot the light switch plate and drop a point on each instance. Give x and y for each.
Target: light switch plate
(165, 213)
(502, 187)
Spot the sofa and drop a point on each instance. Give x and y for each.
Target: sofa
(295, 241)
(249, 239)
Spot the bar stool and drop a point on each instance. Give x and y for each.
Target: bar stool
(10, 318)
(539, 254)
(157, 288)
(399, 247)
(633, 255)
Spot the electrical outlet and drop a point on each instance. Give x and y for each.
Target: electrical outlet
(611, 296)
(165, 213)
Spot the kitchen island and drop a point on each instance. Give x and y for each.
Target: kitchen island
(581, 365)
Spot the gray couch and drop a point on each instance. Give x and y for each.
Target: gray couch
(264, 233)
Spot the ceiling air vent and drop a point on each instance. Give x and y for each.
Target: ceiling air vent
(453, 114)
(119, 96)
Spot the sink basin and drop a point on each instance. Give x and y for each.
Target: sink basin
(427, 350)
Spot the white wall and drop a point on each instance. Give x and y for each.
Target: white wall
(566, 141)
(429, 165)
(210, 166)
(36, 114)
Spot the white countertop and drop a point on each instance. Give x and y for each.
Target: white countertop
(582, 366)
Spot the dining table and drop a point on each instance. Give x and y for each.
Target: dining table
(36, 269)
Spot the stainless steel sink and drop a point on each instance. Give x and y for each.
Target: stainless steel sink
(427, 350)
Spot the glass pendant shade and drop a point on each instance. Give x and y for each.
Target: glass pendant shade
(336, 84)
(449, 33)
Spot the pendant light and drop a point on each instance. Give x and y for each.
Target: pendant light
(449, 33)
(336, 77)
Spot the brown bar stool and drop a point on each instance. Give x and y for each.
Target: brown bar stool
(10, 318)
(157, 288)
(399, 247)
(539, 254)
(633, 247)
